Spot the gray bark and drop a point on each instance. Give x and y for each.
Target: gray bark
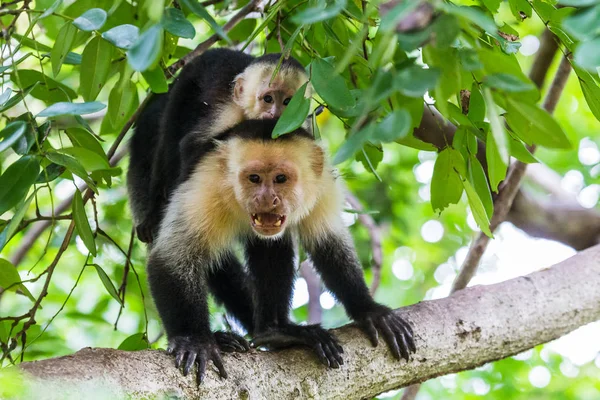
(472, 327)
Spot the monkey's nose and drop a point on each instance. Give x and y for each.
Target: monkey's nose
(275, 201)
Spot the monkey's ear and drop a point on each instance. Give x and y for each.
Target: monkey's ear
(238, 90)
(318, 160)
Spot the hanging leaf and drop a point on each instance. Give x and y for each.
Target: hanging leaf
(394, 127)
(65, 108)
(294, 114)
(446, 183)
(198, 9)
(81, 223)
(120, 101)
(319, 13)
(477, 209)
(135, 342)
(498, 136)
(414, 81)
(122, 36)
(73, 166)
(480, 183)
(587, 55)
(174, 21)
(145, 52)
(91, 20)
(62, 46)
(508, 83)
(15, 221)
(155, 77)
(110, 288)
(11, 133)
(330, 86)
(354, 143)
(95, 67)
(16, 181)
(10, 279)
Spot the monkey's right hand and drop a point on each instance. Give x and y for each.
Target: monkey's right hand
(194, 349)
(230, 342)
(325, 345)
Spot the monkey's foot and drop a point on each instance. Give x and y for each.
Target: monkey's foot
(230, 342)
(322, 342)
(191, 349)
(396, 332)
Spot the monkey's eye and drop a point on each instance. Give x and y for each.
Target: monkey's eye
(254, 178)
(286, 101)
(268, 99)
(280, 178)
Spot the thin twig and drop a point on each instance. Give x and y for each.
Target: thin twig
(375, 234)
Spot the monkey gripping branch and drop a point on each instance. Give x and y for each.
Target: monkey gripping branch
(468, 329)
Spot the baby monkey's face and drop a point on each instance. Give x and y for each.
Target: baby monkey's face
(268, 194)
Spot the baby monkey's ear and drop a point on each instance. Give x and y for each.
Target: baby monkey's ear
(238, 90)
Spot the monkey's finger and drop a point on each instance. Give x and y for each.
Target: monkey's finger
(402, 327)
(218, 361)
(404, 348)
(389, 337)
(405, 324)
(321, 354)
(201, 367)
(333, 363)
(179, 358)
(371, 332)
(228, 348)
(189, 363)
(334, 348)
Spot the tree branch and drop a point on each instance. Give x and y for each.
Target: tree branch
(454, 334)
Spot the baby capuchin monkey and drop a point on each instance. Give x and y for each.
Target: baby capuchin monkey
(245, 188)
(215, 91)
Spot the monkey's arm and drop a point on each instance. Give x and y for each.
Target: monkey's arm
(179, 289)
(335, 259)
(271, 264)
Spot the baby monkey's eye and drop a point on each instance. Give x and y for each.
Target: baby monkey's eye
(268, 98)
(254, 178)
(286, 101)
(280, 178)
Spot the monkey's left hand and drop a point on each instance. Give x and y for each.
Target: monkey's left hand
(230, 342)
(322, 342)
(396, 332)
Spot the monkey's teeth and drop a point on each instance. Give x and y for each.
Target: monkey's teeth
(256, 220)
(278, 223)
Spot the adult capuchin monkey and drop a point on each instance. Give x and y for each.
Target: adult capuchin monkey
(244, 187)
(213, 92)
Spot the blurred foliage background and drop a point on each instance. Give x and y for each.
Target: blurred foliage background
(74, 72)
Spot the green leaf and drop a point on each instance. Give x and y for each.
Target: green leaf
(591, 92)
(82, 138)
(50, 9)
(137, 341)
(394, 127)
(45, 89)
(72, 165)
(294, 114)
(534, 125)
(414, 81)
(354, 143)
(491, 5)
(90, 160)
(508, 83)
(497, 165)
(16, 181)
(62, 46)
(154, 9)
(498, 134)
(578, 3)
(474, 15)
(446, 186)
(122, 36)
(173, 21)
(10, 278)
(520, 152)
(319, 13)
(477, 208)
(91, 20)
(520, 9)
(95, 67)
(120, 101)
(330, 86)
(50, 173)
(155, 77)
(476, 105)
(82, 224)
(587, 55)
(584, 24)
(370, 157)
(66, 108)
(145, 53)
(480, 182)
(198, 9)
(110, 288)
(5, 96)
(11, 133)
(15, 221)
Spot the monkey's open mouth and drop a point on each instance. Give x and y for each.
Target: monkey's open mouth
(267, 220)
